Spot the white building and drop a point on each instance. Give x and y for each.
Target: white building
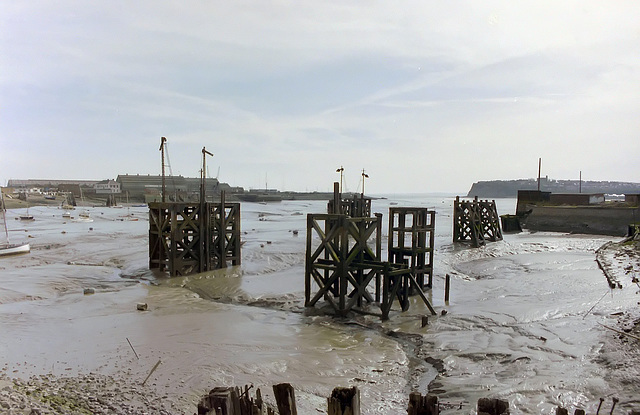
(107, 187)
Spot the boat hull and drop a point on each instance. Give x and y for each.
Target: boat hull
(14, 249)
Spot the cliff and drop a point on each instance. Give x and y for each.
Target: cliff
(509, 188)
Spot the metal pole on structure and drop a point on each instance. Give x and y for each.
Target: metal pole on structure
(203, 176)
(364, 176)
(340, 170)
(163, 141)
(539, 169)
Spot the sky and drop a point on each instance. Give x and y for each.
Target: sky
(424, 96)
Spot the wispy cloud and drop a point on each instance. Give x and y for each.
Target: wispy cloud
(293, 89)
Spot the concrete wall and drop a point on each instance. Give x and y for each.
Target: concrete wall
(596, 220)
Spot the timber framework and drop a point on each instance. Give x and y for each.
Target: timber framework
(187, 238)
(476, 221)
(343, 262)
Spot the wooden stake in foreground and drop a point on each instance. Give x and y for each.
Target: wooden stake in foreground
(285, 398)
(134, 350)
(344, 401)
(620, 331)
(152, 370)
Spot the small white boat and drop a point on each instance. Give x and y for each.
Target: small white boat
(7, 248)
(66, 215)
(14, 249)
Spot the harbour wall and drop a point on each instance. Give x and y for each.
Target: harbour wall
(598, 220)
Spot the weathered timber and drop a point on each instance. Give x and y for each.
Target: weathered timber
(476, 221)
(423, 405)
(342, 264)
(399, 283)
(233, 401)
(353, 206)
(492, 406)
(344, 401)
(510, 223)
(285, 399)
(447, 287)
(187, 238)
(411, 241)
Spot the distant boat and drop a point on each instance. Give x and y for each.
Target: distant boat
(84, 216)
(7, 248)
(66, 215)
(27, 216)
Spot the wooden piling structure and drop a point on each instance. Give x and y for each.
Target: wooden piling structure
(476, 221)
(235, 401)
(411, 241)
(187, 238)
(341, 262)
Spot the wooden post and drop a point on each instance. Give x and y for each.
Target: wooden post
(223, 232)
(337, 199)
(344, 401)
(419, 405)
(493, 406)
(285, 398)
(447, 286)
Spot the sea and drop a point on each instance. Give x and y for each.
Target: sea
(524, 321)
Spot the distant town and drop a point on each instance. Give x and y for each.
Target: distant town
(138, 188)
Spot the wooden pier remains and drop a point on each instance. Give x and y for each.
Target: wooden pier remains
(343, 257)
(342, 264)
(476, 221)
(347, 401)
(187, 238)
(411, 241)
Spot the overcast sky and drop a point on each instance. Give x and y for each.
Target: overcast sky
(425, 96)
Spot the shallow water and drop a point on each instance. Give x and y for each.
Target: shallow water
(518, 326)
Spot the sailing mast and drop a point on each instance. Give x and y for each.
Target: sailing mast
(4, 217)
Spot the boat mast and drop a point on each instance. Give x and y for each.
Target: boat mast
(4, 217)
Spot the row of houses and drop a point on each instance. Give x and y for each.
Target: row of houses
(132, 186)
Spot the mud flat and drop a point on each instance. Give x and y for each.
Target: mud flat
(515, 328)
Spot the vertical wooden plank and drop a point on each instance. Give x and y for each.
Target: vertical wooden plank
(223, 232)
(343, 252)
(307, 262)
(285, 398)
(344, 401)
